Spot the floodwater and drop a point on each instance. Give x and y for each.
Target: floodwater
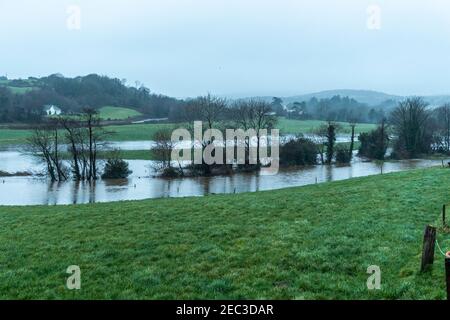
(143, 185)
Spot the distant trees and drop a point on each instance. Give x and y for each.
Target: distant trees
(277, 106)
(247, 120)
(413, 127)
(71, 94)
(338, 109)
(374, 144)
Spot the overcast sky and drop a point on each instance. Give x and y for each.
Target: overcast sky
(234, 47)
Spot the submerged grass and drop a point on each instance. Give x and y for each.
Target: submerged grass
(312, 242)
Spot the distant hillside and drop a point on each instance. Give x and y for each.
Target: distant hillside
(22, 100)
(371, 98)
(368, 97)
(436, 101)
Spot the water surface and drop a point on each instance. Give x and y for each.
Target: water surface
(143, 185)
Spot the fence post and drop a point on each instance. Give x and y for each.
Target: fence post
(447, 275)
(443, 215)
(429, 241)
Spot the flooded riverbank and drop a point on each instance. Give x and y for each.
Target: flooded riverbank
(143, 185)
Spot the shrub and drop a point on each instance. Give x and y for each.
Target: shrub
(374, 144)
(298, 151)
(116, 168)
(343, 156)
(170, 172)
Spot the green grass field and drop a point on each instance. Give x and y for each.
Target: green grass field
(140, 132)
(13, 136)
(308, 126)
(313, 242)
(117, 113)
(136, 132)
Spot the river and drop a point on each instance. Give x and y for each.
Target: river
(142, 184)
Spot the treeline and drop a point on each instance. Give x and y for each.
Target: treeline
(73, 95)
(26, 102)
(412, 130)
(337, 108)
(218, 115)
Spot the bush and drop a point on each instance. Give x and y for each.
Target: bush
(343, 156)
(374, 144)
(170, 172)
(116, 168)
(298, 151)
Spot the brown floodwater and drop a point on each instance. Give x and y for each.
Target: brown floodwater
(142, 185)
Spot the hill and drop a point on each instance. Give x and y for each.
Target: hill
(23, 100)
(368, 97)
(371, 98)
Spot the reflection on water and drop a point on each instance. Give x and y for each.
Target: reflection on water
(141, 184)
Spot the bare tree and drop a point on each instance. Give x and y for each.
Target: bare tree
(84, 137)
(257, 115)
(163, 153)
(210, 110)
(95, 137)
(45, 144)
(411, 121)
(75, 141)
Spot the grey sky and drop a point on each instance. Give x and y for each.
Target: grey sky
(234, 47)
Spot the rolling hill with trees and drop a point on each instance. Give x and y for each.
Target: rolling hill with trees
(23, 100)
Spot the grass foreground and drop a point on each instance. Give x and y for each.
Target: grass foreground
(313, 242)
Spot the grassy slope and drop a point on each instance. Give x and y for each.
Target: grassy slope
(17, 90)
(117, 113)
(20, 90)
(312, 242)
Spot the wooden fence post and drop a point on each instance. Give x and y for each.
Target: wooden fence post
(429, 242)
(443, 215)
(447, 275)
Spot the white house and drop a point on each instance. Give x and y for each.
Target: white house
(52, 110)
